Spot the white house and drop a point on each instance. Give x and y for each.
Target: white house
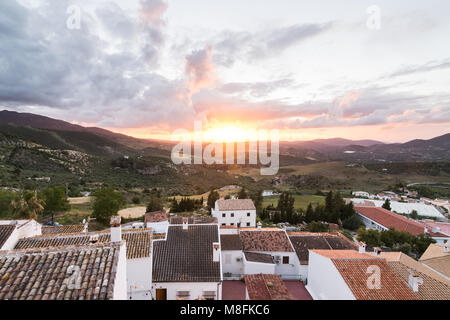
(258, 250)
(137, 253)
(157, 221)
(305, 241)
(361, 194)
(235, 212)
(187, 263)
(350, 275)
(108, 282)
(13, 230)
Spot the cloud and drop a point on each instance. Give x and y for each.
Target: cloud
(233, 45)
(429, 66)
(200, 69)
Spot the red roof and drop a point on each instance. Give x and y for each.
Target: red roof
(266, 287)
(389, 220)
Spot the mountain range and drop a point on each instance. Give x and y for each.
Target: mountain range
(60, 134)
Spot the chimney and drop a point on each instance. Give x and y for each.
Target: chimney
(116, 230)
(85, 225)
(185, 223)
(361, 247)
(259, 225)
(445, 246)
(216, 252)
(414, 281)
(376, 251)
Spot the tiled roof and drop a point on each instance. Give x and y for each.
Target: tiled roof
(5, 233)
(266, 287)
(302, 242)
(192, 220)
(138, 241)
(440, 264)
(434, 251)
(344, 254)
(389, 219)
(157, 216)
(354, 273)
(62, 229)
(235, 204)
(230, 242)
(42, 274)
(258, 257)
(186, 255)
(443, 226)
(430, 289)
(261, 240)
(413, 264)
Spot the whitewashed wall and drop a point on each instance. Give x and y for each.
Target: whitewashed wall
(158, 227)
(251, 267)
(324, 280)
(139, 278)
(240, 216)
(12, 240)
(230, 263)
(120, 283)
(196, 289)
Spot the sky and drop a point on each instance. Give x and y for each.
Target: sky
(354, 69)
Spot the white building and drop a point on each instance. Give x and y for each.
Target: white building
(349, 275)
(187, 263)
(305, 241)
(361, 194)
(255, 250)
(157, 221)
(137, 253)
(235, 212)
(267, 193)
(13, 230)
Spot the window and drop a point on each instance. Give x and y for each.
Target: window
(224, 215)
(232, 215)
(224, 224)
(209, 295)
(248, 224)
(183, 294)
(285, 260)
(248, 214)
(231, 224)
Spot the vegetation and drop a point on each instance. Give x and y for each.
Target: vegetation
(212, 198)
(317, 226)
(55, 200)
(186, 204)
(27, 206)
(397, 240)
(107, 203)
(387, 205)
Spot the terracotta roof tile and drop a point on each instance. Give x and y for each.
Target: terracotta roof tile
(431, 289)
(157, 216)
(344, 254)
(235, 204)
(258, 257)
(61, 229)
(138, 241)
(5, 233)
(43, 274)
(354, 273)
(186, 255)
(266, 287)
(389, 219)
(440, 264)
(262, 240)
(230, 242)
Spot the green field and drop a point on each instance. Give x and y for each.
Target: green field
(301, 201)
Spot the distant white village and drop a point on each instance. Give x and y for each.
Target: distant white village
(225, 256)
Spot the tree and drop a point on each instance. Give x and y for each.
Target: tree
(387, 205)
(107, 203)
(309, 215)
(352, 223)
(27, 205)
(55, 200)
(212, 198)
(370, 236)
(242, 194)
(6, 198)
(317, 226)
(414, 215)
(155, 204)
(136, 200)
